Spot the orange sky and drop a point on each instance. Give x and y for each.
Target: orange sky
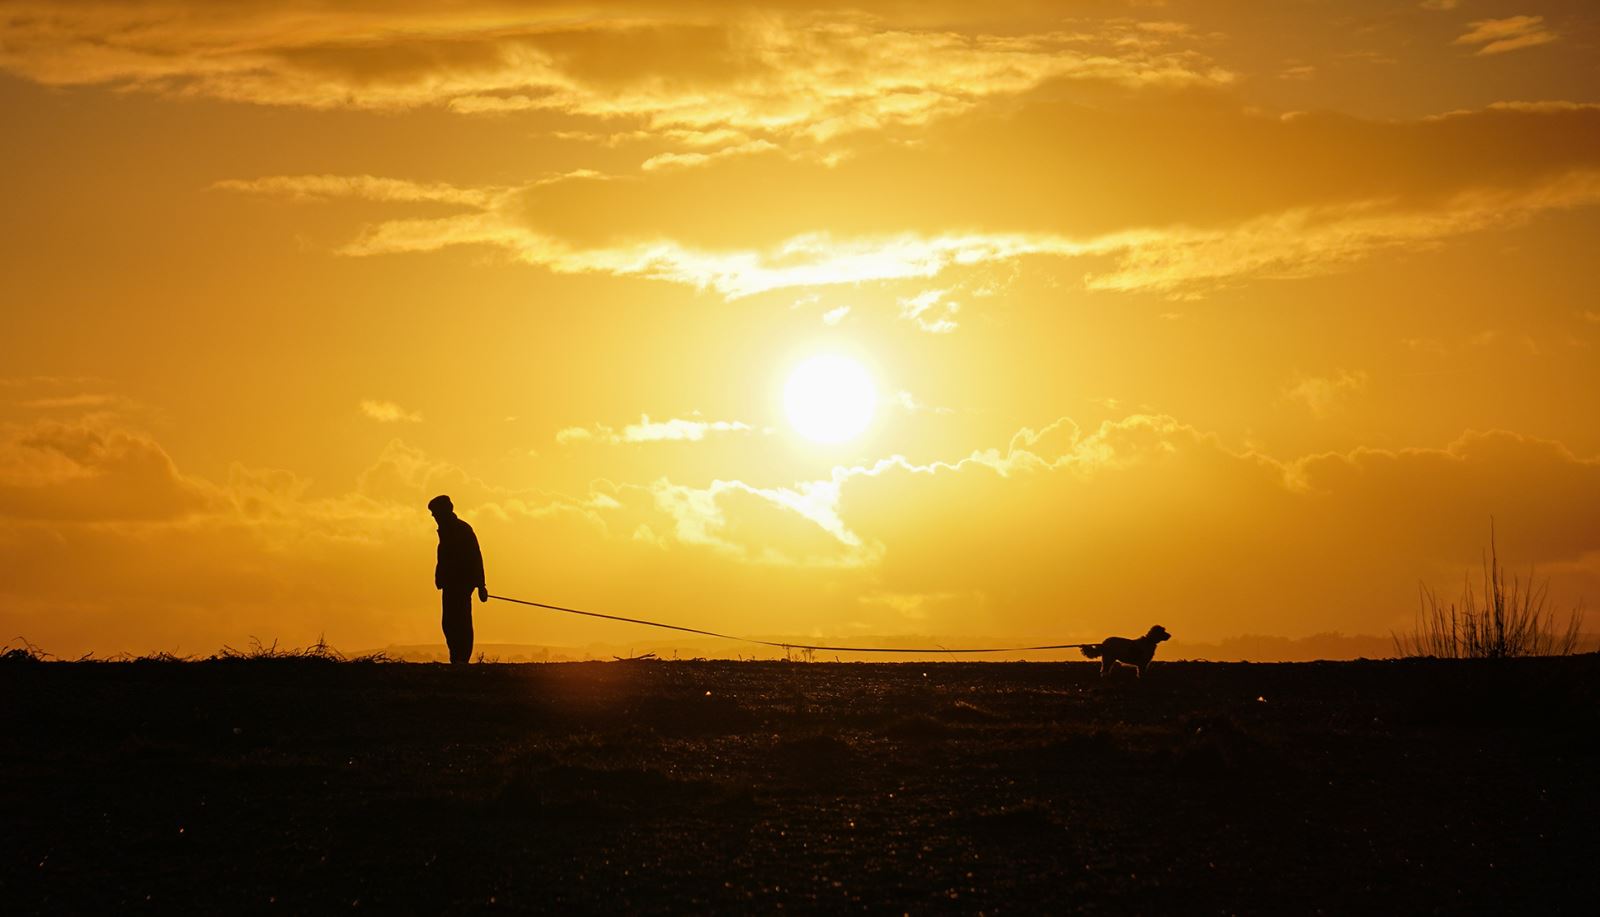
(1239, 317)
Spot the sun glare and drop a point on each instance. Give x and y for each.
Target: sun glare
(830, 399)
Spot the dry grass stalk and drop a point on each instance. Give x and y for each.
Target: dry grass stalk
(1506, 618)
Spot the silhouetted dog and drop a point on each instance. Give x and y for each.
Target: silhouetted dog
(1137, 652)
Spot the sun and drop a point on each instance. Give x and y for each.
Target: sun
(830, 399)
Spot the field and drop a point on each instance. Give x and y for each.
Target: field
(300, 786)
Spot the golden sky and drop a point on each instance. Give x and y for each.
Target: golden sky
(1237, 317)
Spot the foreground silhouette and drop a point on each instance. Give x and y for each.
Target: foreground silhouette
(458, 572)
(1137, 652)
(302, 786)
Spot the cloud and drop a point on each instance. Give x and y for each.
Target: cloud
(1307, 242)
(1321, 394)
(909, 403)
(770, 73)
(648, 431)
(1075, 522)
(1059, 531)
(836, 315)
(1545, 106)
(90, 469)
(108, 546)
(389, 412)
(362, 187)
(676, 429)
(1301, 242)
(691, 159)
(916, 606)
(74, 402)
(1389, 187)
(67, 394)
(36, 382)
(1497, 36)
(931, 311)
(785, 526)
(1439, 6)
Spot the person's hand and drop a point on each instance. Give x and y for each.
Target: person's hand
(483, 593)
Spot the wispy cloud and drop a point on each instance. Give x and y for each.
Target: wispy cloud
(649, 431)
(363, 187)
(1175, 243)
(1300, 242)
(767, 74)
(695, 158)
(676, 429)
(814, 259)
(79, 401)
(1497, 36)
(932, 311)
(1540, 107)
(1322, 394)
(706, 516)
(909, 403)
(389, 412)
(1317, 240)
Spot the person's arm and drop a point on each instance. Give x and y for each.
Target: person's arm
(477, 558)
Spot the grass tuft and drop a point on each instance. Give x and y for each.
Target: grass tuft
(24, 654)
(1507, 618)
(163, 657)
(320, 651)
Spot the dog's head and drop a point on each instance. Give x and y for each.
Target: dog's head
(1158, 634)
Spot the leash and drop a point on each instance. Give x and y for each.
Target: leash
(790, 646)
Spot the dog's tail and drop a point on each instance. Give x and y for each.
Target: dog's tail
(1093, 650)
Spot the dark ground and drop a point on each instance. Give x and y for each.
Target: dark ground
(310, 786)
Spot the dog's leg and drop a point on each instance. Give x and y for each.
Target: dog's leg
(1106, 665)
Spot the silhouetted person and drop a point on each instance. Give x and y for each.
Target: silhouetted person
(460, 570)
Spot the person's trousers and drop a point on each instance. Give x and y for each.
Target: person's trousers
(458, 622)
